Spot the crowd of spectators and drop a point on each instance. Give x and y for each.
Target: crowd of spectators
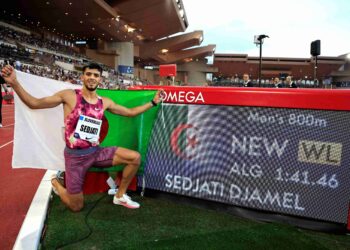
(14, 49)
(16, 45)
(110, 78)
(265, 83)
(14, 36)
(11, 51)
(52, 72)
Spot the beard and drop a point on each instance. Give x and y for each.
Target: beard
(91, 88)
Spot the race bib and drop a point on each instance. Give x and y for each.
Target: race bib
(88, 129)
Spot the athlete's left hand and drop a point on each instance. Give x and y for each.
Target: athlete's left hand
(158, 96)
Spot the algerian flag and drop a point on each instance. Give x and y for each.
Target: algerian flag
(129, 132)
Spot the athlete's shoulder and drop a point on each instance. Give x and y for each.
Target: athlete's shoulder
(107, 102)
(67, 91)
(106, 99)
(67, 95)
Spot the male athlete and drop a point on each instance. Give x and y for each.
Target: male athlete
(83, 111)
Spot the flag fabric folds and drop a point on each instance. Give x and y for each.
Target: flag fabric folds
(38, 137)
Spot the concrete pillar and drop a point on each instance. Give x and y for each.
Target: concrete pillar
(196, 72)
(125, 51)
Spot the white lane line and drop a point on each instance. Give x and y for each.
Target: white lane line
(7, 143)
(33, 224)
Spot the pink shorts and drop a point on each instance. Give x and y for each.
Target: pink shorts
(78, 161)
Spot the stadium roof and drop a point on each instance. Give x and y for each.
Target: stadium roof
(149, 24)
(122, 20)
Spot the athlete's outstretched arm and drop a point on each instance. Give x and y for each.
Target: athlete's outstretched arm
(9, 74)
(124, 111)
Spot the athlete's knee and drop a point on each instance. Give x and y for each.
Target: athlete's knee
(76, 207)
(137, 158)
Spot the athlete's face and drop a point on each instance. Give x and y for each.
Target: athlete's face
(91, 79)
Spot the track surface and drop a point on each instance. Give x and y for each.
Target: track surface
(17, 186)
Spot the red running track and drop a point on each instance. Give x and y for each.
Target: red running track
(17, 186)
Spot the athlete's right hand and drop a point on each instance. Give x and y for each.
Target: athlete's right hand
(9, 74)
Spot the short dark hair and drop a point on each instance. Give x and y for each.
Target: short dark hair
(93, 66)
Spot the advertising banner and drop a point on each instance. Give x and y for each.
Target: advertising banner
(123, 69)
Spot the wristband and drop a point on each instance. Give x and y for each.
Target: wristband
(153, 103)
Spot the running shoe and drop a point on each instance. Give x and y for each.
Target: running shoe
(126, 201)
